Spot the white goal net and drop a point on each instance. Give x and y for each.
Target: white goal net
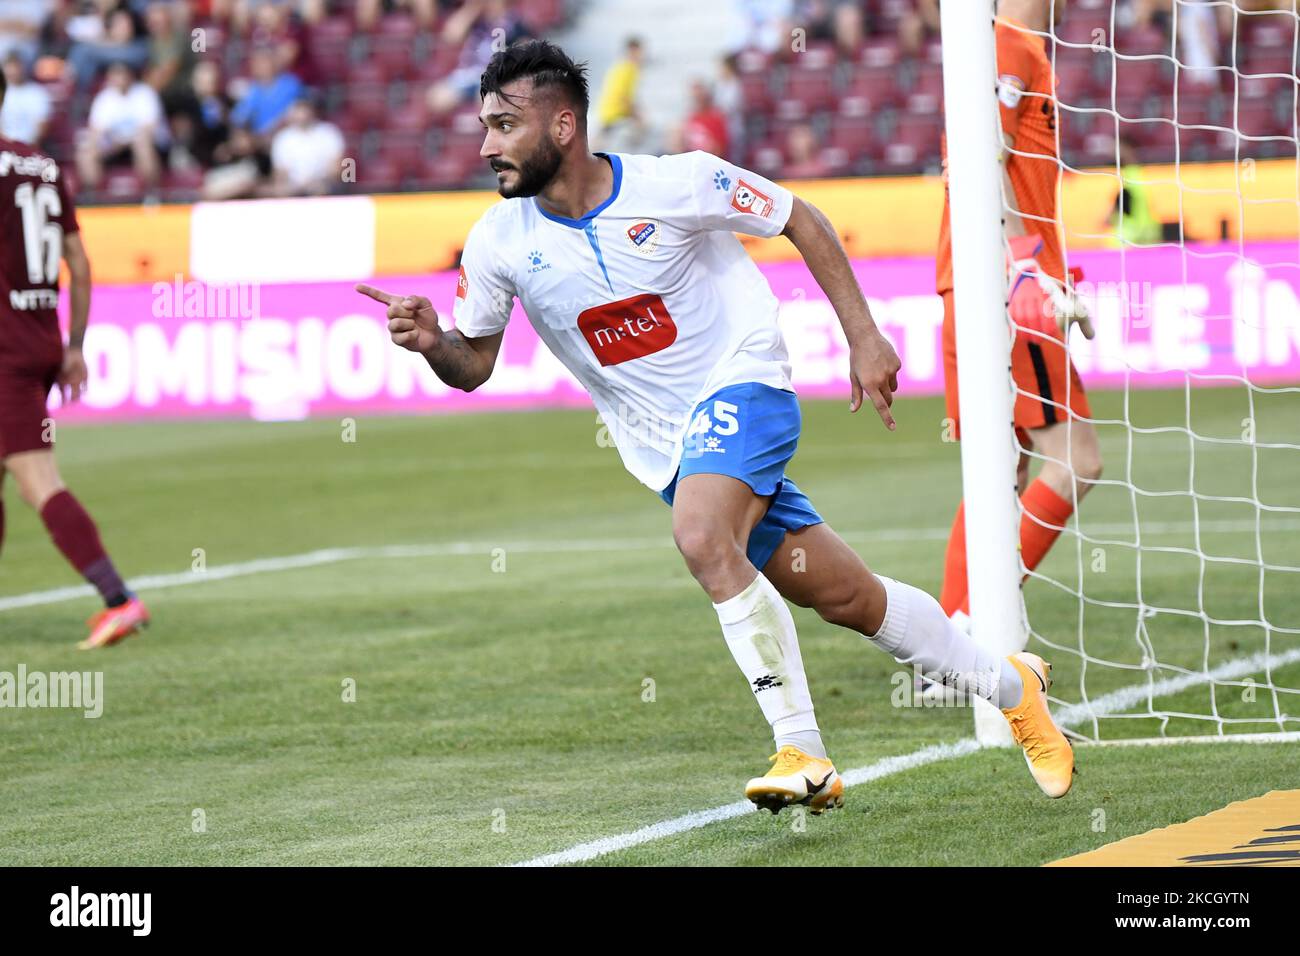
(1170, 604)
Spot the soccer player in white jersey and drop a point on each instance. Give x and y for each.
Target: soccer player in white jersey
(628, 268)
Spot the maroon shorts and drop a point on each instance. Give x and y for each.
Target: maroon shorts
(24, 419)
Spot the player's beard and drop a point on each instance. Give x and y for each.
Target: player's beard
(535, 172)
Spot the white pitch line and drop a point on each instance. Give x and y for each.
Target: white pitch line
(1067, 716)
(325, 556)
(702, 818)
(1121, 700)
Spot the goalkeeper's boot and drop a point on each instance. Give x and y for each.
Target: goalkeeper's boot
(796, 777)
(1048, 753)
(114, 623)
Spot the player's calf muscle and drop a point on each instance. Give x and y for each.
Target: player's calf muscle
(815, 568)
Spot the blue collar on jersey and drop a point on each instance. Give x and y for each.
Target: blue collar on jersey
(617, 165)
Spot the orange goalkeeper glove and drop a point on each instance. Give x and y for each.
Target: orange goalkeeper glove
(1038, 301)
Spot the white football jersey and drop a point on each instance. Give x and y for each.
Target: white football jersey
(650, 300)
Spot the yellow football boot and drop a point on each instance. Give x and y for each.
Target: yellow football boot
(1047, 752)
(796, 777)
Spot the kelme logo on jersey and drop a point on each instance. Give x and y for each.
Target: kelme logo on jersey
(644, 236)
(535, 263)
(628, 329)
(748, 199)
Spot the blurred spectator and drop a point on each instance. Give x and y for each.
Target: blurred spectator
(55, 41)
(621, 125)
(369, 11)
(171, 58)
(20, 26)
(276, 26)
(26, 110)
(918, 25)
(477, 26)
(729, 96)
(242, 167)
(761, 24)
(200, 125)
(1197, 46)
(840, 21)
(269, 96)
(803, 161)
(706, 127)
(245, 14)
(120, 41)
(126, 128)
(1131, 217)
(306, 153)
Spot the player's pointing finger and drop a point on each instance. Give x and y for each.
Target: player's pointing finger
(377, 294)
(882, 409)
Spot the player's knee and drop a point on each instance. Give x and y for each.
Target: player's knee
(702, 544)
(1087, 466)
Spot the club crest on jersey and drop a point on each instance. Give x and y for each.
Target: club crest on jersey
(748, 199)
(644, 237)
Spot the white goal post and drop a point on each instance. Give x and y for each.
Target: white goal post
(988, 452)
(1170, 604)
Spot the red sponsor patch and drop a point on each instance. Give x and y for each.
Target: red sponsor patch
(628, 329)
(748, 199)
(462, 284)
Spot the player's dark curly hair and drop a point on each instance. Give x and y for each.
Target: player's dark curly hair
(547, 65)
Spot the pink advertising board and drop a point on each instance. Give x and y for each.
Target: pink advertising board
(289, 351)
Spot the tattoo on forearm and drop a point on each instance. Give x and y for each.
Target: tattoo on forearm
(454, 361)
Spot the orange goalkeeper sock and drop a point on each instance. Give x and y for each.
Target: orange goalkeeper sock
(1049, 508)
(1036, 537)
(953, 595)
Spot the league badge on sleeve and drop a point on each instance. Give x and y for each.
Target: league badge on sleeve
(748, 199)
(462, 284)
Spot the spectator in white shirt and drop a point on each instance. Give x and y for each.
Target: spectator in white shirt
(26, 110)
(20, 26)
(127, 127)
(306, 153)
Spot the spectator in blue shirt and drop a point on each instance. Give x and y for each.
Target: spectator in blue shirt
(266, 104)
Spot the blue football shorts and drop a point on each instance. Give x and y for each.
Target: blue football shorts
(749, 431)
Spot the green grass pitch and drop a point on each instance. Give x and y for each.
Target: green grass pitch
(501, 707)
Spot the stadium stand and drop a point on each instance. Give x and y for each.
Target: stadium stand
(867, 87)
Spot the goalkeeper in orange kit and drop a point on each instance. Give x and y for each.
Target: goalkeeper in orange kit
(1051, 409)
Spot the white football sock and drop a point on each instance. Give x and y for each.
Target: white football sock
(917, 632)
(760, 633)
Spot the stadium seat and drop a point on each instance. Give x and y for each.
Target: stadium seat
(876, 86)
(813, 88)
(756, 92)
(879, 52)
(122, 185)
(392, 54)
(926, 93)
(407, 150)
(367, 105)
(855, 135)
(330, 43)
(1137, 41)
(379, 173)
(443, 172)
(1259, 118)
